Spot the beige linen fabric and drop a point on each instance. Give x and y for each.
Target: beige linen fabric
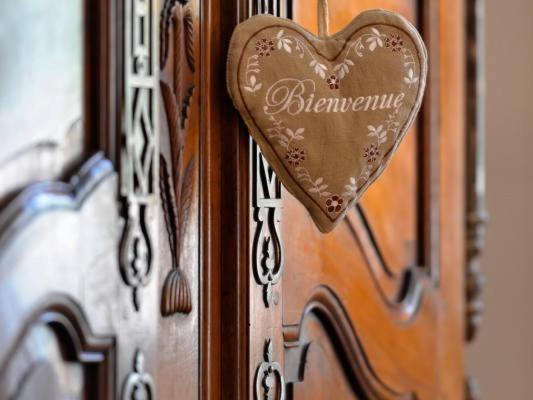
(327, 113)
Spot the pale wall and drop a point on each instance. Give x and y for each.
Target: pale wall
(502, 357)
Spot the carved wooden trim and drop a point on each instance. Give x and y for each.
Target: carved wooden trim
(52, 195)
(139, 384)
(429, 148)
(268, 376)
(401, 293)
(266, 201)
(267, 251)
(476, 214)
(328, 309)
(177, 30)
(139, 157)
(67, 321)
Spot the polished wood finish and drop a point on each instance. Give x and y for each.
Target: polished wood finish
(161, 257)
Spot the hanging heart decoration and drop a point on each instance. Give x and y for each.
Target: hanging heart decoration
(328, 113)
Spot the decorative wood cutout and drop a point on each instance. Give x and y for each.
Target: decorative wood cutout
(269, 376)
(267, 248)
(140, 149)
(326, 307)
(139, 383)
(475, 164)
(328, 147)
(177, 188)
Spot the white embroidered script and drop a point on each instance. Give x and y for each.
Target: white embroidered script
(296, 96)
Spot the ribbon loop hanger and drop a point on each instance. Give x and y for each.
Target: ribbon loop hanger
(323, 18)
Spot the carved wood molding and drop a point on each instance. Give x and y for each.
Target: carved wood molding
(139, 159)
(476, 215)
(325, 305)
(177, 33)
(69, 324)
(47, 196)
(401, 293)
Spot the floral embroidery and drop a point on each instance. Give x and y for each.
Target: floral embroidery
(252, 68)
(410, 65)
(265, 47)
(394, 42)
(378, 132)
(333, 82)
(295, 156)
(411, 79)
(334, 204)
(371, 153)
(374, 39)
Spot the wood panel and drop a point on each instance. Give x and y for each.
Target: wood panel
(77, 262)
(179, 310)
(384, 264)
(172, 263)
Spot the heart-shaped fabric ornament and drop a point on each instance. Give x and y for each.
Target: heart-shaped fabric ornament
(327, 113)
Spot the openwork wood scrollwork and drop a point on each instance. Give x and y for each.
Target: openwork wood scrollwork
(177, 186)
(269, 376)
(267, 248)
(139, 383)
(140, 147)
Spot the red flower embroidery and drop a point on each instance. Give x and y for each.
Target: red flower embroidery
(394, 42)
(334, 204)
(295, 156)
(371, 153)
(265, 47)
(333, 82)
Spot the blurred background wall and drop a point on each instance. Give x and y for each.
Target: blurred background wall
(502, 355)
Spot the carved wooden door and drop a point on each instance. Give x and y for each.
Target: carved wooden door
(147, 250)
(373, 310)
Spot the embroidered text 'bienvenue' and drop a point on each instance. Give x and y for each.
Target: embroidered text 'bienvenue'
(296, 96)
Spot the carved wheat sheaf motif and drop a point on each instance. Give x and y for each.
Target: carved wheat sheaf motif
(176, 296)
(177, 186)
(168, 17)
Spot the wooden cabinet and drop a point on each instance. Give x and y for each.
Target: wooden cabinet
(149, 250)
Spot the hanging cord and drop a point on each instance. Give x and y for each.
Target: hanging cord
(323, 18)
